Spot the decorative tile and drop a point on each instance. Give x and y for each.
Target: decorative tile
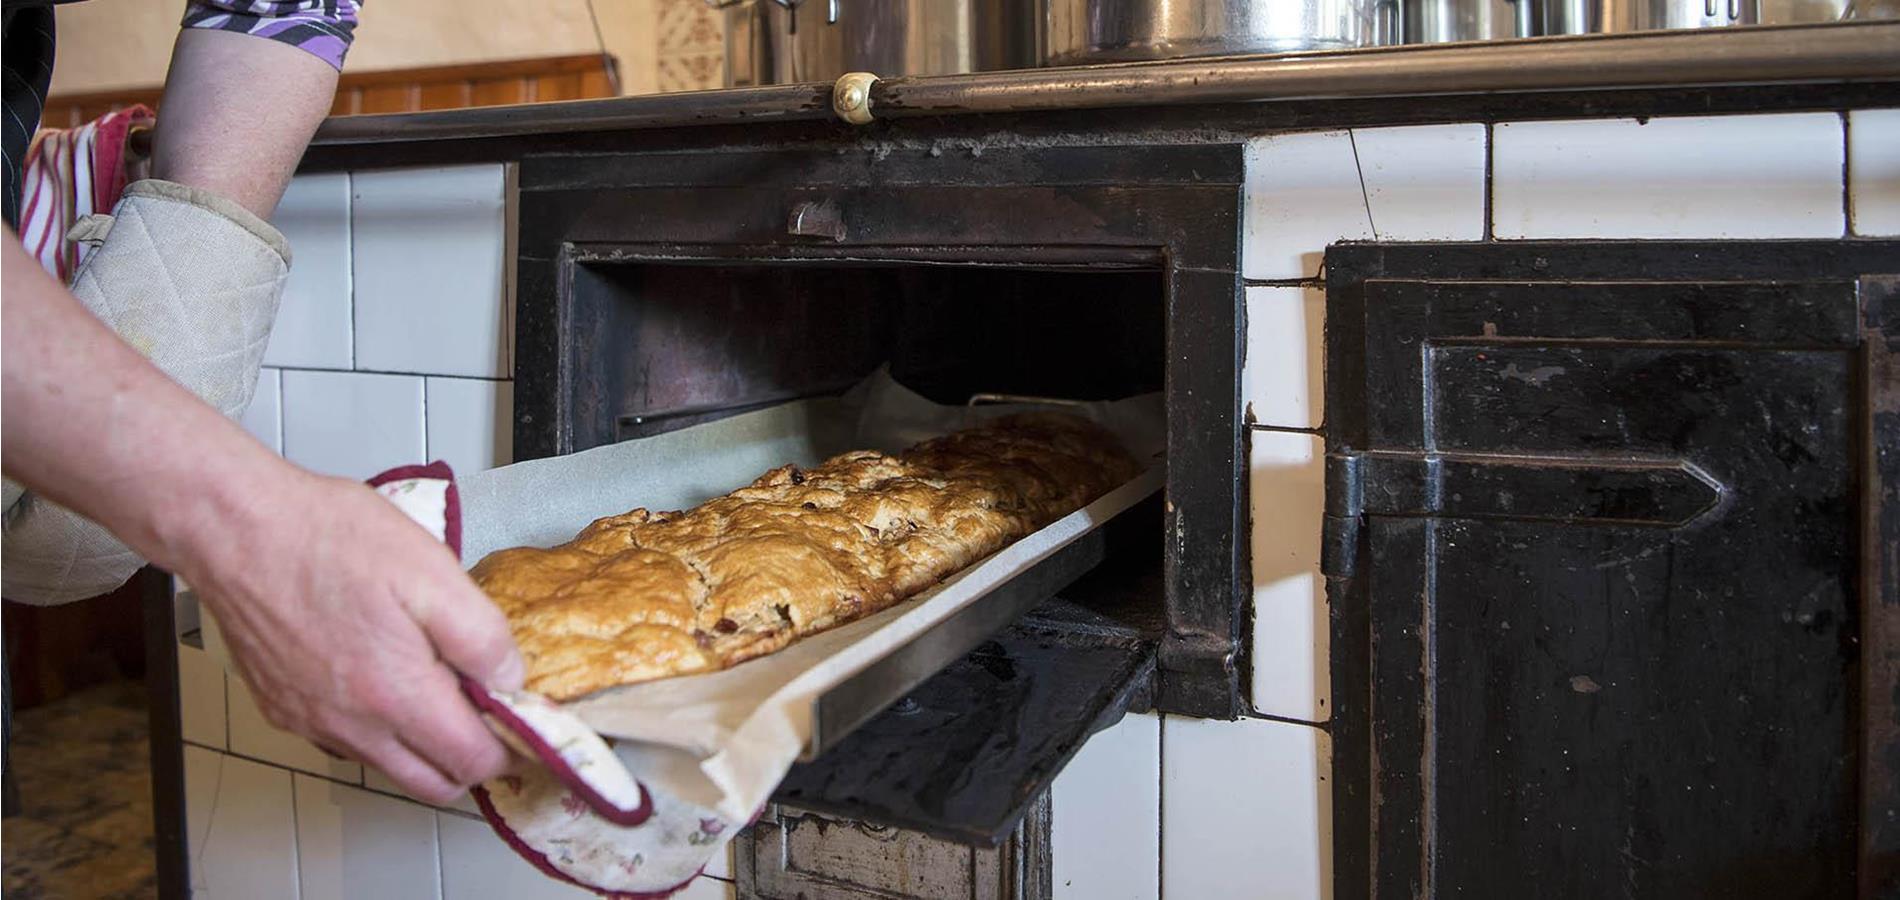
(254, 736)
(1302, 193)
(471, 423)
(476, 865)
(1105, 837)
(1762, 176)
(1246, 810)
(691, 46)
(1424, 183)
(313, 321)
(354, 844)
(201, 697)
(264, 418)
(1873, 170)
(1291, 648)
(431, 268)
(352, 424)
(1282, 380)
(250, 846)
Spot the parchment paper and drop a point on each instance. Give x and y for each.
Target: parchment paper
(723, 740)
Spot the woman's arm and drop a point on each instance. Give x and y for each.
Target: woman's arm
(347, 619)
(237, 112)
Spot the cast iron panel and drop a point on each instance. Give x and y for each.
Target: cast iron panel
(1596, 569)
(967, 753)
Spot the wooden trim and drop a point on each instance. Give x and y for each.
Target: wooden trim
(506, 82)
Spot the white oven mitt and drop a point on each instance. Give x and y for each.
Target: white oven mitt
(191, 280)
(576, 812)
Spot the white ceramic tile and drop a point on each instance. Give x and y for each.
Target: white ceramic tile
(1105, 839)
(476, 865)
(352, 424)
(721, 864)
(354, 844)
(202, 770)
(431, 264)
(1282, 379)
(1287, 481)
(264, 417)
(1425, 183)
(200, 697)
(250, 846)
(471, 423)
(1246, 810)
(313, 321)
(1873, 170)
(1302, 193)
(1767, 176)
(254, 736)
(375, 780)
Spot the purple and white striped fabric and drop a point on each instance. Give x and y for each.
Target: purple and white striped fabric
(321, 28)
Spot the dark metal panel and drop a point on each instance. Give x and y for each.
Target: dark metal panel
(967, 753)
(1880, 590)
(906, 167)
(1205, 520)
(165, 736)
(1554, 708)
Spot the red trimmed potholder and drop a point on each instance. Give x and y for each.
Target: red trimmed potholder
(574, 810)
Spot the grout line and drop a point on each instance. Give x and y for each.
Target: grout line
(425, 420)
(349, 248)
(1287, 429)
(280, 412)
(333, 371)
(1490, 201)
(296, 842)
(1286, 720)
(1360, 170)
(1161, 799)
(435, 825)
(1313, 282)
(1847, 176)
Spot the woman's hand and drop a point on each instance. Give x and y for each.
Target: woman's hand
(350, 623)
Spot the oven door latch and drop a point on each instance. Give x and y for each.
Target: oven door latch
(1626, 491)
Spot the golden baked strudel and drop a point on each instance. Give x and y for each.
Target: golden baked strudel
(648, 595)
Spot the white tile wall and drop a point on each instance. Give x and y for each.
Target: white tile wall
(1105, 833)
(1291, 650)
(355, 845)
(1281, 379)
(352, 424)
(721, 864)
(1246, 810)
(200, 697)
(471, 422)
(1766, 176)
(264, 417)
(1302, 193)
(254, 736)
(476, 865)
(1424, 183)
(375, 780)
(430, 250)
(250, 845)
(313, 322)
(202, 770)
(707, 889)
(1873, 170)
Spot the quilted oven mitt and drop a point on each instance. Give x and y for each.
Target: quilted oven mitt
(575, 812)
(190, 279)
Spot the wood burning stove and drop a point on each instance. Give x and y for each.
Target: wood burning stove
(659, 290)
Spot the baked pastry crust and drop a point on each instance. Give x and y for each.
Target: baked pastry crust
(647, 595)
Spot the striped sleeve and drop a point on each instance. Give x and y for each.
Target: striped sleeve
(322, 28)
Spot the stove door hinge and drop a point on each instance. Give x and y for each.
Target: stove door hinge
(1345, 510)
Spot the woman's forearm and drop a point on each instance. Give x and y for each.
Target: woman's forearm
(237, 113)
(94, 426)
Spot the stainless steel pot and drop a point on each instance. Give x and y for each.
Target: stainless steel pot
(1612, 16)
(796, 41)
(1082, 31)
(1443, 21)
